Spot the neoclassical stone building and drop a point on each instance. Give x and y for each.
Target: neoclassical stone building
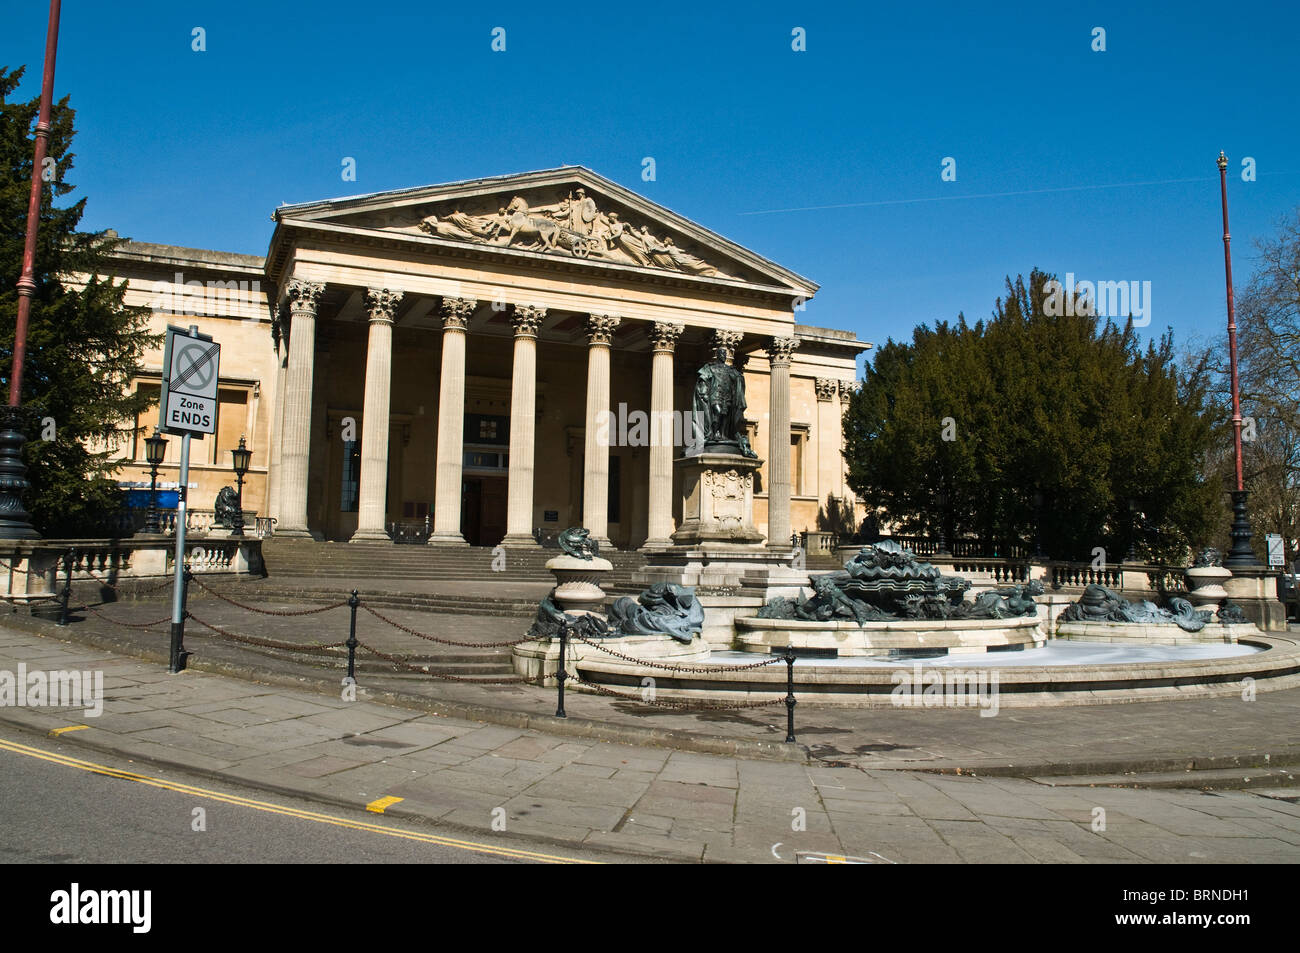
(495, 357)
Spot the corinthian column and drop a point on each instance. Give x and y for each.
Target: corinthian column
(660, 521)
(295, 444)
(523, 427)
(273, 472)
(595, 493)
(779, 352)
(372, 506)
(451, 423)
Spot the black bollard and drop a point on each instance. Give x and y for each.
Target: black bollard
(67, 585)
(560, 673)
(178, 654)
(789, 695)
(353, 602)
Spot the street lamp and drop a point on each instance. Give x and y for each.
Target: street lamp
(155, 448)
(1241, 553)
(241, 457)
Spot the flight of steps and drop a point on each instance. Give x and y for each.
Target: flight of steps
(300, 559)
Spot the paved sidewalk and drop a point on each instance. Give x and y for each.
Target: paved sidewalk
(1098, 739)
(643, 800)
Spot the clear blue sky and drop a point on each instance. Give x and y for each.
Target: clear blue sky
(191, 148)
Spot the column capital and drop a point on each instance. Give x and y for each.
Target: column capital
(456, 312)
(303, 295)
(848, 389)
(526, 319)
(664, 335)
(781, 350)
(727, 339)
(827, 388)
(600, 329)
(382, 303)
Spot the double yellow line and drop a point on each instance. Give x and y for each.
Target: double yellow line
(266, 806)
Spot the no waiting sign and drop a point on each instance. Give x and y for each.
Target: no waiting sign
(191, 369)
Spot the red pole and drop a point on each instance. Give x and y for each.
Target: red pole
(1232, 317)
(27, 282)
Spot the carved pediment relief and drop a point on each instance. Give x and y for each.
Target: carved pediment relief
(573, 225)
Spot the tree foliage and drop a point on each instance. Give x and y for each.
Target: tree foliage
(83, 344)
(1058, 421)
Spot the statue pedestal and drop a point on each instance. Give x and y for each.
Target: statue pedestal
(717, 499)
(718, 547)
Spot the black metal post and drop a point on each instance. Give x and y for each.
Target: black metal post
(789, 695)
(560, 673)
(67, 586)
(178, 653)
(238, 528)
(353, 602)
(151, 517)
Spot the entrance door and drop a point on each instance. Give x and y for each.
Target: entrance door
(483, 510)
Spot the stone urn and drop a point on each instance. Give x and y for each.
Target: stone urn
(577, 583)
(1205, 579)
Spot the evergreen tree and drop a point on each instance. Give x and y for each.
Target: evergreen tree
(83, 344)
(1058, 421)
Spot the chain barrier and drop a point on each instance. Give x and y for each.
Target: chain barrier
(125, 625)
(400, 662)
(266, 643)
(672, 667)
(441, 641)
(279, 612)
(677, 705)
(23, 572)
(118, 587)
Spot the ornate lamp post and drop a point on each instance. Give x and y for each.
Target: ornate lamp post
(14, 520)
(1240, 553)
(240, 457)
(155, 448)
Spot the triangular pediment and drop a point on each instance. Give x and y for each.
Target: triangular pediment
(569, 213)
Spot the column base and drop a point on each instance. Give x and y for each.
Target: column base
(604, 544)
(521, 541)
(656, 545)
(294, 533)
(447, 540)
(370, 536)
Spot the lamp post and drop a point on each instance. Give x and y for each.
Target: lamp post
(155, 448)
(240, 457)
(1132, 556)
(14, 519)
(1240, 553)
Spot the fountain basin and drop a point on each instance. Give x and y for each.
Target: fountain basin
(1151, 633)
(850, 639)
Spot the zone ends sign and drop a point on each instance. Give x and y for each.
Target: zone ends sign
(191, 369)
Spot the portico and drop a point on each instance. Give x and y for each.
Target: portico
(452, 355)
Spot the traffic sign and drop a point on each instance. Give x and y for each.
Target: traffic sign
(191, 370)
(1276, 552)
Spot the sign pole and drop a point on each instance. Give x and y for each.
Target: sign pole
(178, 594)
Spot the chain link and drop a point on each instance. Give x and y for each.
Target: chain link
(280, 612)
(266, 643)
(125, 625)
(118, 588)
(677, 705)
(400, 662)
(433, 638)
(670, 667)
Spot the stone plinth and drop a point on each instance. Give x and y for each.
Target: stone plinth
(1152, 633)
(1254, 589)
(717, 499)
(849, 639)
(577, 583)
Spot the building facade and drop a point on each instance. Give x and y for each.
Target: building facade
(493, 358)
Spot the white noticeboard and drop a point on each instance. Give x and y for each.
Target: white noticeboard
(191, 369)
(1276, 553)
